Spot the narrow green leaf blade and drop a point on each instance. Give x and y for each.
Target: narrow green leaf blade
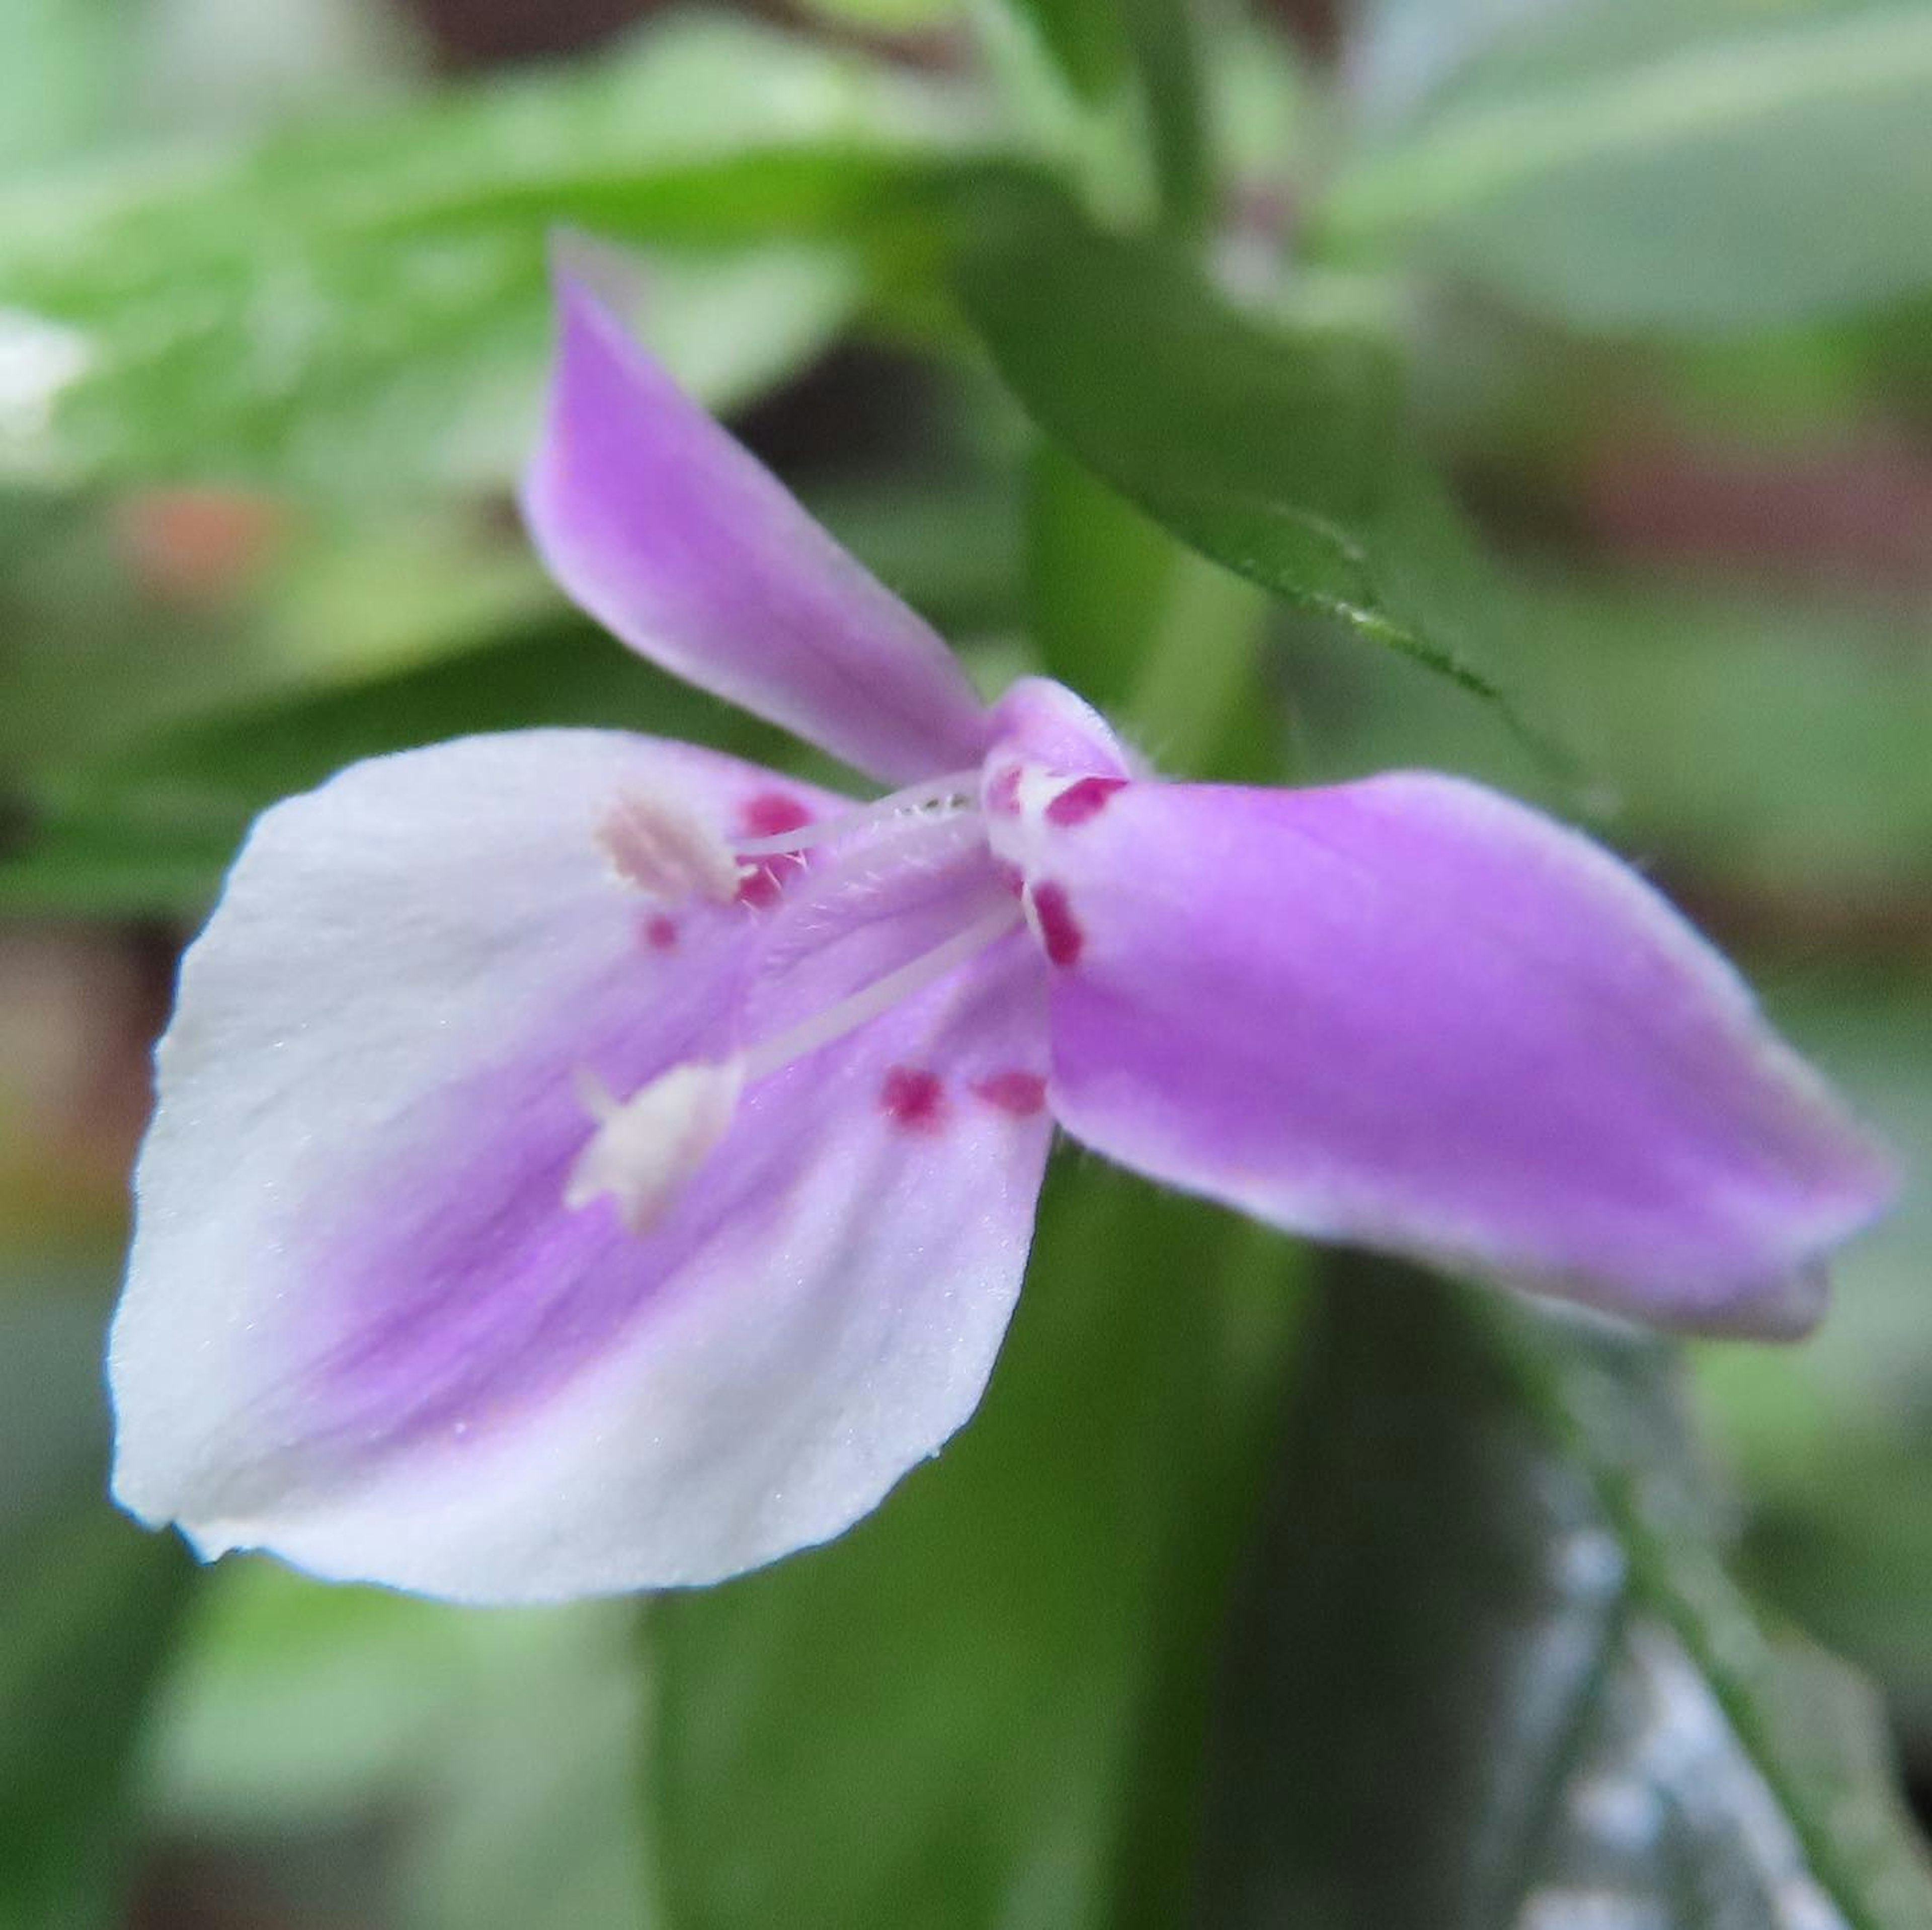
(1271, 448)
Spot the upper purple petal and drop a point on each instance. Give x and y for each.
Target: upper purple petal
(671, 534)
(361, 1327)
(1411, 1013)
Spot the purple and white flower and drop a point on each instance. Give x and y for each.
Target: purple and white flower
(587, 1162)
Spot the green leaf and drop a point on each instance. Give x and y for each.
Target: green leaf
(983, 1705)
(1492, 1626)
(359, 304)
(1670, 165)
(1272, 449)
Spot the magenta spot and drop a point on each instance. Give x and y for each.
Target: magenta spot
(1058, 932)
(1002, 793)
(660, 932)
(771, 813)
(1022, 1094)
(1085, 798)
(913, 1098)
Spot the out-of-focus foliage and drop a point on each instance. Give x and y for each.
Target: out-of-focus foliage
(87, 1605)
(345, 305)
(1271, 449)
(987, 1703)
(1582, 348)
(1589, 1717)
(1685, 164)
(509, 1740)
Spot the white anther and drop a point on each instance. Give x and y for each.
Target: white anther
(664, 849)
(647, 1146)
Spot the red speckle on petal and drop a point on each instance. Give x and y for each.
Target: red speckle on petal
(1085, 798)
(772, 813)
(660, 933)
(1059, 931)
(1002, 792)
(913, 1099)
(1021, 1093)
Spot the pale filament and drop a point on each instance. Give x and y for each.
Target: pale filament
(955, 793)
(849, 1014)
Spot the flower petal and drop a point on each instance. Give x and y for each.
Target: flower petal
(669, 532)
(1411, 1013)
(363, 1329)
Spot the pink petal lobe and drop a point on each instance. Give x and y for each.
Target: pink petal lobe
(1411, 1013)
(674, 536)
(362, 1328)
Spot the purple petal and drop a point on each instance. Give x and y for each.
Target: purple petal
(1411, 1013)
(674, 536)
(361, 1329)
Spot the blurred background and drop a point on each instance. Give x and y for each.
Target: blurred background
(1656, 281)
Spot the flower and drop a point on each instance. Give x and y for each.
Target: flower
(587, 1162)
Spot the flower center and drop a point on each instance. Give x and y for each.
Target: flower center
(645, 1148)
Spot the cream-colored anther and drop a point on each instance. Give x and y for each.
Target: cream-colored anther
(647, 1146)
(661, 848)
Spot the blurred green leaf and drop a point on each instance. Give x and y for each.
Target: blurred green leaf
(1809, 798)
(1834, 1442)
(1272, 449)
(121, 618)
(983, 1705)
(1491, 1626)
(65, 60)
(359, 303)
(87, 1604)
(152, 829)
(209, 65)
(382, 643)
(1085, 39)
(504, 1745)
(1674, 164)
(1399, 52)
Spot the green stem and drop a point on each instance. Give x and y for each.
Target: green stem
(1195, 706)
(1167, 59)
